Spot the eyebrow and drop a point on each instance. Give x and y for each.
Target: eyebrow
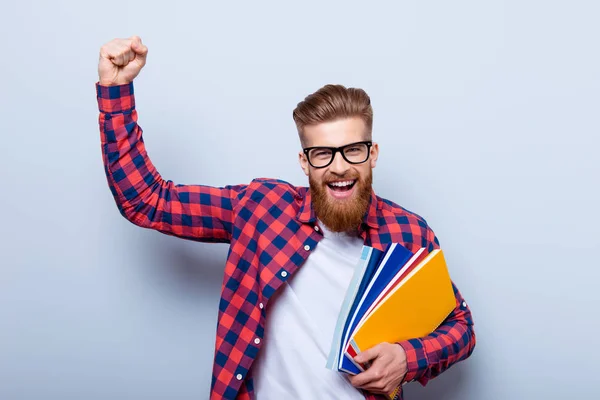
(337, 147)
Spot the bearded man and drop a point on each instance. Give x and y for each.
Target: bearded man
(292, 249)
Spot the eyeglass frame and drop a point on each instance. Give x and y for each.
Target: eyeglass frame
(340, 149)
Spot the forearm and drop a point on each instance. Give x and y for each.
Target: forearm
(130, 174)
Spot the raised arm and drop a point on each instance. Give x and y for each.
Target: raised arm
(194, 212)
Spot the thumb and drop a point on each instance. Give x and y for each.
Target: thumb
(368, 354)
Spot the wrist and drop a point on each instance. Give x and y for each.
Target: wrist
(109, 83)
(416, 359)
(115, 98)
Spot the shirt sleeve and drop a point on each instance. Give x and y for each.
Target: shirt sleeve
(453, 341)
(143, 197)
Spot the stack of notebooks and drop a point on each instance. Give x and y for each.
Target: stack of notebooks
(394, 295)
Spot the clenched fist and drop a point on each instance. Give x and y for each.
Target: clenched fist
(121, 60)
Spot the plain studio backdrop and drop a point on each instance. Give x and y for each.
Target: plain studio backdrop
(486, 113)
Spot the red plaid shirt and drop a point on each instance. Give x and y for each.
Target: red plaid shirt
(271, 228)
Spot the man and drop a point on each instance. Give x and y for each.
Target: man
(292, 249)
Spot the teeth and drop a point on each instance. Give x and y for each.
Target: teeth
(341, 184)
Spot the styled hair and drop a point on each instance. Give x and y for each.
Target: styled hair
(330, 103)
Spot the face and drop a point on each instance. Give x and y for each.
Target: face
(340, 191)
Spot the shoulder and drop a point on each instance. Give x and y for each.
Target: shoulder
(392, 212)
(274, 190)
(410, 226)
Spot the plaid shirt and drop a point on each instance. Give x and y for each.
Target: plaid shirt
(271, 228)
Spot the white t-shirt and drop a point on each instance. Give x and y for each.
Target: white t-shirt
(300, 323)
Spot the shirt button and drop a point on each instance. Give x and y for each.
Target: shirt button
(284, 273)
(239, 377)
(316, 228)
(307, 247)
(261, 305)
(464, 303)
(257, 341)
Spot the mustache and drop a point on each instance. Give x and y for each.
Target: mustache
(349, 176)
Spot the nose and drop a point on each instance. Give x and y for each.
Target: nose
(339, 166)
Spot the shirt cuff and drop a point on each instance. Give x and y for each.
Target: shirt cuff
(416, 359)
(115, 99)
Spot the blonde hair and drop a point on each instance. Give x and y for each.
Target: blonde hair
(330, 103)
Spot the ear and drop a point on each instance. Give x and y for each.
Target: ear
(374, 154)
(303, 162)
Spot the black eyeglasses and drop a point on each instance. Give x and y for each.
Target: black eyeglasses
(354, 153)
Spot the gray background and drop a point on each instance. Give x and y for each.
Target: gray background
(487, 117)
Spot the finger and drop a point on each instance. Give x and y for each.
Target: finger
(125, 58)
(115, 53)
(114, 50)
(135, 41)
(127, 55)
(368, 354)
(117, 59)
(138, 47)
(141, 52)
(368, 377)
(109, 51)
(359, 380)
(375, 387)
(130, 56)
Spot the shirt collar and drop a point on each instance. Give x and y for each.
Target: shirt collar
(306, 214)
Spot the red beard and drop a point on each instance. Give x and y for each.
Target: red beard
(342, 215)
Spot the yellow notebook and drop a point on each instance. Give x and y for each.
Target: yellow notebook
(414, 308)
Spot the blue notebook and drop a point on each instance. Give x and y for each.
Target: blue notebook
(375, 258)
(382, 268)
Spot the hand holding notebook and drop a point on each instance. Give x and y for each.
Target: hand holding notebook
(385, 371)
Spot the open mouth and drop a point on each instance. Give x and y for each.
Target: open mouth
(342, 186)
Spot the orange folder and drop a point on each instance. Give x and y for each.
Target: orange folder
(414, 308)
